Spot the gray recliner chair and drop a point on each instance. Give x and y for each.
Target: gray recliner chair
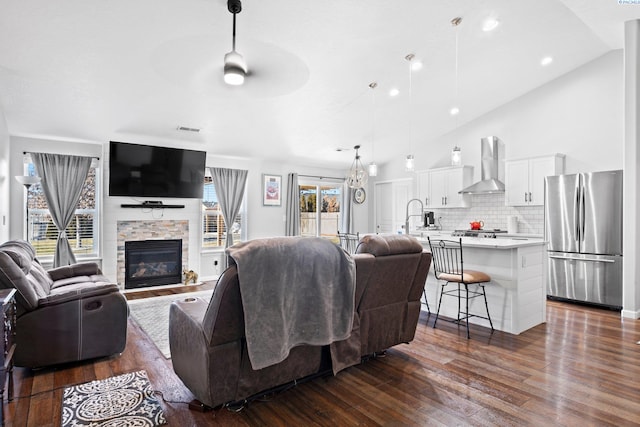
(66, 314)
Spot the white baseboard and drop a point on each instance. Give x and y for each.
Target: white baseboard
(630, 314)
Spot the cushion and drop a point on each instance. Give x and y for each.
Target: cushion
(21, 252)
(388, 244)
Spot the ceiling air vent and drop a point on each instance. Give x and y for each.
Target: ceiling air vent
(188, 129)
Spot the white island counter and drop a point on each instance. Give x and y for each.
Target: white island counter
(517, 293)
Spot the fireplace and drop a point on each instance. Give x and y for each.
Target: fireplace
(152, 263)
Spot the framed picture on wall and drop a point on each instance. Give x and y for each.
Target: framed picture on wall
(271, 190)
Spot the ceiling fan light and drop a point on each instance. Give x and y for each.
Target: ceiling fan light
(235, 68)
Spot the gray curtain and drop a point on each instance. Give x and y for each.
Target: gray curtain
(63, 178)
(347, 209)
(292, 223)
(230, 184)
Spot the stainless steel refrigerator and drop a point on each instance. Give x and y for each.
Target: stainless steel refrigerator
(583, 225)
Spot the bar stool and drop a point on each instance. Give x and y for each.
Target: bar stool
(448, 266)
(349, 241)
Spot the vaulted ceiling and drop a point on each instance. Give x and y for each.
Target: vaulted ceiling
(94, 70)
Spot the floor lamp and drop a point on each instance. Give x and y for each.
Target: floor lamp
(27, 181)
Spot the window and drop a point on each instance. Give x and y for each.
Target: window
(214, 229)
(84, 230)
(320, 209)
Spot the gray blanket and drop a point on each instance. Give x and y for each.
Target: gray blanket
(295, 290)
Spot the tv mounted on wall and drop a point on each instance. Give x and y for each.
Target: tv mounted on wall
(150, 171)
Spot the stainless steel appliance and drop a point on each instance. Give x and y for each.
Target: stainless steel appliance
(429, 219)
(583, 225)
(492, 153)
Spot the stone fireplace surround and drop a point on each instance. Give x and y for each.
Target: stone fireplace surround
(149, 230)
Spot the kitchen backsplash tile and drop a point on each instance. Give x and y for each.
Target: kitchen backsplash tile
(491, 209)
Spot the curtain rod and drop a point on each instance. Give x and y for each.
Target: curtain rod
(29, 152)
(321, 177)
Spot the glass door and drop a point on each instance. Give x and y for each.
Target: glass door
(320, 209)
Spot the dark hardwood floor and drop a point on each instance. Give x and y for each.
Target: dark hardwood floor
(580, 368)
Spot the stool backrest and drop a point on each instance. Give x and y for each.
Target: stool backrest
(447, 256)
(349, 241)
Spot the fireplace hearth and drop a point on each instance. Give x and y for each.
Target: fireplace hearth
(152, 263)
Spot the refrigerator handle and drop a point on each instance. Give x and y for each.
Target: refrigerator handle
(577, 215)
(582, 214)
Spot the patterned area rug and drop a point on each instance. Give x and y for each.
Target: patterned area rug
(125, 400)
(152, 314)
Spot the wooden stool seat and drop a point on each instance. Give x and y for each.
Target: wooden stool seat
(469, 276)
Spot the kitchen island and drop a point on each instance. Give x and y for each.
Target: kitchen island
(517, 292)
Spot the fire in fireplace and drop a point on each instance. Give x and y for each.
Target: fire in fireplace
(152, 263)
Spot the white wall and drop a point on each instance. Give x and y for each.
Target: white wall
(5, 178)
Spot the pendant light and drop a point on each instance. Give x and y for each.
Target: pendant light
(409, 161)
(235, 67)
(455, 110)
(357, 174)
(456, 155)
(373, 168)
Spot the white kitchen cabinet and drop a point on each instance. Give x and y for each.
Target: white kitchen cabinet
(524, 179)
(424, 187)
(438, 188)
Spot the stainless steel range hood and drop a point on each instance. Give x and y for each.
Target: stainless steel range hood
(491, 148)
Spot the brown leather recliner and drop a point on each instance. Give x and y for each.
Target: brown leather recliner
(65, 314)
(207, 338)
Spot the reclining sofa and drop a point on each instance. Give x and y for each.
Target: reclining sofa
(208, 341)
(66, 314)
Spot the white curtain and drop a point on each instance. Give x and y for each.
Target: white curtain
(63, 178)
(292, 224)
(230, 185)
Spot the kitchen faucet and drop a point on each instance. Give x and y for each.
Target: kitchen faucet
(406, 221)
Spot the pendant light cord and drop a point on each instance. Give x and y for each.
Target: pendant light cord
(373, 120)
(233, 43)
(456, 23)
(409, 58)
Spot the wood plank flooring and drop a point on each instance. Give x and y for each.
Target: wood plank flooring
(580, 368)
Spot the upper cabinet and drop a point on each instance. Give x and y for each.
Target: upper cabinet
(438, 188)
(524, 179)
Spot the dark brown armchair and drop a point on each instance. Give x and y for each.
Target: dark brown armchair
(64, 315)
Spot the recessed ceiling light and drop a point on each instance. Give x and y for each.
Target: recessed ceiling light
(546, 61)
(416, 65)
(394, 92)
(454, 111)
(490, 24)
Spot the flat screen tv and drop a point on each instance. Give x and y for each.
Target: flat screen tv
(149, 171)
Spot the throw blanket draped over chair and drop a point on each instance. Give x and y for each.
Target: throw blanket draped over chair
(295, 290)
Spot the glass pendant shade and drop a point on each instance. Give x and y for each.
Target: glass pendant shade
(409, 163)
(456, 156)
(373, 169)
(358, 176)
